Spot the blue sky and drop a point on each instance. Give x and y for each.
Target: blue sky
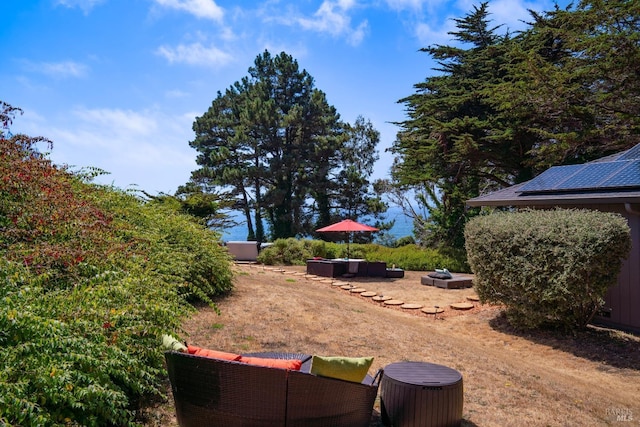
(117, 84)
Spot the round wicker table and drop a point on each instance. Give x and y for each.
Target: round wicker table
(420, 394)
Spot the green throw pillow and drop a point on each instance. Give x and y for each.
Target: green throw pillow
(170, 343)
(343, 368)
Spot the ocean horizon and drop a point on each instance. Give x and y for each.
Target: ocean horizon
(403, 227)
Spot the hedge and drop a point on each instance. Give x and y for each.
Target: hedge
(409, 257)
(547, 267)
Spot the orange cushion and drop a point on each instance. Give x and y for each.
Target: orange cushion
(192, 349)
(290, 364)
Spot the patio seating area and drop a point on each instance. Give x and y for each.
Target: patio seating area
(350, 268)
(211, 391)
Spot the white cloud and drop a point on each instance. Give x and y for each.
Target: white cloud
(429, 34)
(176, 93)
(85, 5)
(357, 36)
(297, 49)
(512, 13)
(62, 69)
(65, 69)
(404, 4)
(195, 54)
(508, 14)
(333, 18)
(118, 122)
(206, 9)
(148, 149)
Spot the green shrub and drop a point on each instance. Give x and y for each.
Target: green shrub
(409, 257)
(404, 241)
(85, 355)
(90, 278)
(415, 258)
(168, 243)
(547, 267)
(286, 252)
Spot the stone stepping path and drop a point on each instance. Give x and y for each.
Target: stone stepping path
(467, 304)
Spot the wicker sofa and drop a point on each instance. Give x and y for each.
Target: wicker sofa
(214, 392)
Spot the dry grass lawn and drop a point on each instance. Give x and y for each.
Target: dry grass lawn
(510, 378)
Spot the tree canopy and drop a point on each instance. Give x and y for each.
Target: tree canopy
(275, 145)
(504, 107)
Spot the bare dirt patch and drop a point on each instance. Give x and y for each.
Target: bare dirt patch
(510, 378)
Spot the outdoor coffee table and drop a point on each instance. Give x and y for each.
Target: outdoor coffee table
(420, 394)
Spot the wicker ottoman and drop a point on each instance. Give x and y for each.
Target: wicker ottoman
(420, 394)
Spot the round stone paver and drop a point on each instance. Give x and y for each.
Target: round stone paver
(462, 306)
(410, 306)
(432, 310)
(394, 302)
(369, 294)
(382, 298)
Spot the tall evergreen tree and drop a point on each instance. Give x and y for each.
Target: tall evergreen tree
(347, 193)
(446, 149)
(229, 159)
(573, 82)
(358, 156)
(505, 108)
(275, 143)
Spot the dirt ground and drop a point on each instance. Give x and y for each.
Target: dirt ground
(510, 378)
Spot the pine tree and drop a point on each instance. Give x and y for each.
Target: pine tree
(446, 149)
(276, 145)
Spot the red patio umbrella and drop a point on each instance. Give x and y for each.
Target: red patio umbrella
(346, 226)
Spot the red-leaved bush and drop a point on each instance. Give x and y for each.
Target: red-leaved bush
(45, 222)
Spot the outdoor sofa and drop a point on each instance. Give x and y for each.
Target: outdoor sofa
(214, 392)
(327, 267)
(340, 267)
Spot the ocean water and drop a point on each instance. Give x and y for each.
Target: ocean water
(402, 227)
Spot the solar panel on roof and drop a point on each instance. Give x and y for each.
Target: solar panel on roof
(590, 176)
(626, 177)
(632, 153)
(548, 179)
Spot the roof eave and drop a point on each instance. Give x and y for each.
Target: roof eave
(574, 199)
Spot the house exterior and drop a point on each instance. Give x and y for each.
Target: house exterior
(610, 184)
